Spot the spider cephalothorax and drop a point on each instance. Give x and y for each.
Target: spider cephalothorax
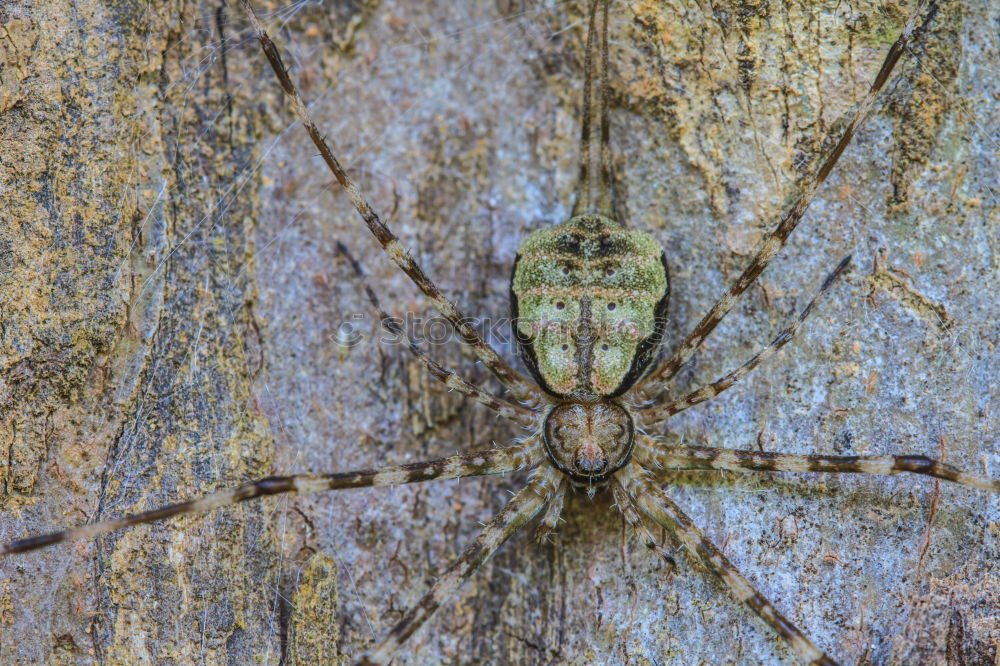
(589, 441)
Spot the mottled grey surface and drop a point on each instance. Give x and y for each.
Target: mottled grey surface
(460, 121)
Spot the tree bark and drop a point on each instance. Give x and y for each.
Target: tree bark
(171, 299)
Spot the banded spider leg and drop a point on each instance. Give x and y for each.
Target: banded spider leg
(642, 504)
(638, 495)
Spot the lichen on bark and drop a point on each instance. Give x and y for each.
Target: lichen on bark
(171, 296)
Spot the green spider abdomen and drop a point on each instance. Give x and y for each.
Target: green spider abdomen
(589, 301)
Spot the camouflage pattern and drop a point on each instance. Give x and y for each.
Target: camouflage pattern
(589, 299)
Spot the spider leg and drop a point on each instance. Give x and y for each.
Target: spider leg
(655, 504)
(522, 415)
(658, 413)
(519, 510)
(595, 113)
(553, 512)
(654, 383)
(508, 376)
(605, 199)
(481, 463)
(632, 516)
(654, 455)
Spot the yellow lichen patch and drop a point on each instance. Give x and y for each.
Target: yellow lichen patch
(313, 632)
(17, 38)
(922, 114)
(125, 309)
(775, 81)
(6, 604)
(900, 286)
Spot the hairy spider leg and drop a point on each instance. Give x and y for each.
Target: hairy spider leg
(595, 115)
(655, 504)
(480, 463)
(662, 412)
(519, 510)
(655, 382)
(656, 455)
(515, 412)
(520, 387)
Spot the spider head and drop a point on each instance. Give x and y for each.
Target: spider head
(589, 441)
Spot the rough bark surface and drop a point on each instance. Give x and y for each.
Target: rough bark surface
(171, 296)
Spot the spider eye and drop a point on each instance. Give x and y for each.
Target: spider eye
(612, 306)
(560, 305)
